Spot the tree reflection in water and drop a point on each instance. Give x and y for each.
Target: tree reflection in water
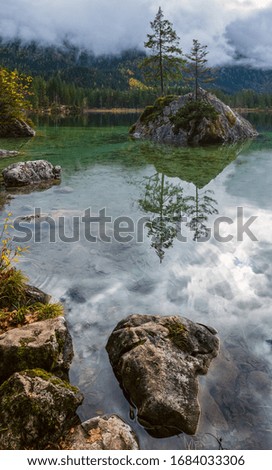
(168, 207)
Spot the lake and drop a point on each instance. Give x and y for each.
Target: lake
(213, 266)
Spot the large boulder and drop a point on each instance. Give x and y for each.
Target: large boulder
(156, 361)
(107, 432)
(15, 128)
(36, 409)
(45, 344)
(30, 173)
(159, 122)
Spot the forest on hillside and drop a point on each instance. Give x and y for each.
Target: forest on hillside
(76, 77)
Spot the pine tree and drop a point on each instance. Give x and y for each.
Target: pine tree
(165, 62)
(196, 70)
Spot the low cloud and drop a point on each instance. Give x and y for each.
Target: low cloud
(251, 38)
(238, 27)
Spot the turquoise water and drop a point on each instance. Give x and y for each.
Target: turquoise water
(226, 284)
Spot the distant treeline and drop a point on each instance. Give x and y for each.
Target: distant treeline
(74, 77)
(55, 91)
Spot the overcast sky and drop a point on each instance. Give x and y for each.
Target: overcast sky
(228, 27)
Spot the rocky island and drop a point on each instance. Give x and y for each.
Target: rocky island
(182, 120)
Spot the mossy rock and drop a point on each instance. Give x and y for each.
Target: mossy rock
(46, 344)
(190, 122)
(191, 114)
(178, 334)
(151, 113)
(36, 409)
(231, 118)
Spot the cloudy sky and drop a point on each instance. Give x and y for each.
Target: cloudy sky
(230, 28)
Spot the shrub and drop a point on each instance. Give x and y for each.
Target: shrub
(15, 308)
(193, 111)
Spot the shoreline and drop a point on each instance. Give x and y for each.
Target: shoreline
(113, 110)
(64, 113)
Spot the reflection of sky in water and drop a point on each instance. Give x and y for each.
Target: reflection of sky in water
(226, 285)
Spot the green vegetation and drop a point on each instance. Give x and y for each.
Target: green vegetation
(231, 118)
(164, 63)
(15, 306)
(48, 377)
(153, 112)
(196, 70)
(69, 76)
(178, 335)
(192, 113)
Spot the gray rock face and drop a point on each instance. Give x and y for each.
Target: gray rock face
(156, 361)
(15, 128)
(45, 344)
(101, 433)
(36, 409)
(29, 173)
(33, 295)
(229, 126)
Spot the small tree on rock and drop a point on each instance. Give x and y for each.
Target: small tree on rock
(196, 69)
(165, 62)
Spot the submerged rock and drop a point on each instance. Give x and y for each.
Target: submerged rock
(107, 432)
(160, 122)
(8, 153)
(156, 361)
(15, 128)
(36, 409)
(45, 344)
(30, 173)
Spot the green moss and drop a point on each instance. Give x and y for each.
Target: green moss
(21, 406)
(193, 112)
(151, 113)
(163, 101)
(145, 116)
(231, 118)
(26, 341)
(178, 334)
(27, 357)
(61, 341)
(132, 129)
(48, 377)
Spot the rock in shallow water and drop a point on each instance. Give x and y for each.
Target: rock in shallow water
(156, 361)
(107, 432)
(156, 123)
(45, 344)
(29, 173)
(8, 153)
(36, 409)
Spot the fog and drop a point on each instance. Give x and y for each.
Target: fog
(110, 26)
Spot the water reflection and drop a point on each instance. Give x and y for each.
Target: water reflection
(164, 203)
(167, 208)
(202, 205)
(226, 285)
(167, 204)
